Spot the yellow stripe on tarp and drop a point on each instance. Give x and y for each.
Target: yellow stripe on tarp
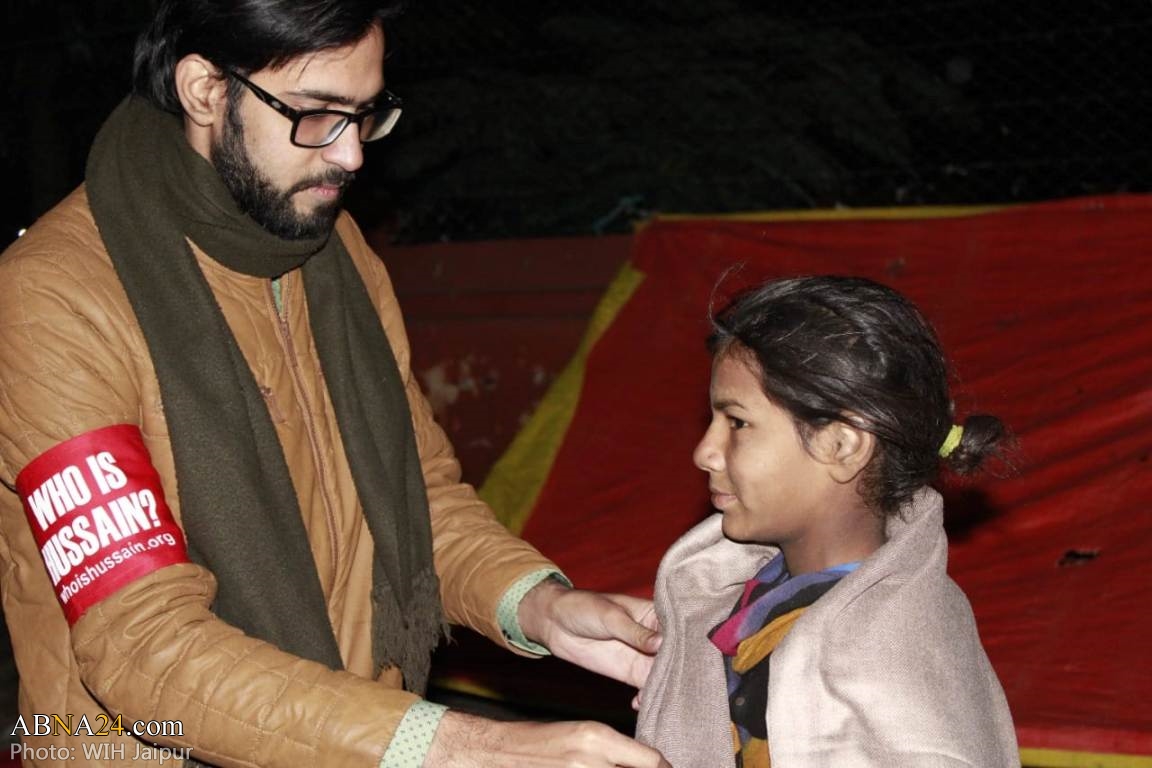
(839, 214)
(461, 685)
(517, 477)
(1056, 758)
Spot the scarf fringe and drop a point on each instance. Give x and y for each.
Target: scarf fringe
(417, 636)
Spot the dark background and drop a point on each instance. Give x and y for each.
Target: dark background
(550, 118)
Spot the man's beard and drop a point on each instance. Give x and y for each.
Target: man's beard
(257, 196)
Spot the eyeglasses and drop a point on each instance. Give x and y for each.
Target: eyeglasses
(320, 127)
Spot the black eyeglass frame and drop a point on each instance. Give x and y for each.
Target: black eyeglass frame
(391, 102)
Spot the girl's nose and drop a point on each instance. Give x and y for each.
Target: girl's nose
(707, 456)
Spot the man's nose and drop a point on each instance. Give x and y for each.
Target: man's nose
(346, 152)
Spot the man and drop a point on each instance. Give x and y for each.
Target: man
(236, 530)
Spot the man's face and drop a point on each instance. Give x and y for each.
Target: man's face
(295, 192)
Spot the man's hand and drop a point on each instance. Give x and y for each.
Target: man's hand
(613, 635)
(465, 741)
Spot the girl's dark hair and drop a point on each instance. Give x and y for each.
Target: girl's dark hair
(245, 35)
(851, 350)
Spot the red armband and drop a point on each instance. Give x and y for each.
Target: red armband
(98, 514)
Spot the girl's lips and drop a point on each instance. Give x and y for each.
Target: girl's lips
(721, 500)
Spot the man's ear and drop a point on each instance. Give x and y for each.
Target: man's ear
(202, 90)
(845, 449)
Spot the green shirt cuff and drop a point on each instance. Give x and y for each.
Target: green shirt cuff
(507, 612)
(413, 737)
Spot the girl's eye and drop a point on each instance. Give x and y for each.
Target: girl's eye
(736, 423)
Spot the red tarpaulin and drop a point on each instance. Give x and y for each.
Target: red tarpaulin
(1046, 312)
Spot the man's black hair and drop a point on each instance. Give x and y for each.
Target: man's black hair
(246, 36)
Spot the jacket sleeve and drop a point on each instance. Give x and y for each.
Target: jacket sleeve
(153, 649)
(477, 558)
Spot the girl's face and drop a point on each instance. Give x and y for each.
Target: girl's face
(769, 487)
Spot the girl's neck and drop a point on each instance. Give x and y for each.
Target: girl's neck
(837, 548)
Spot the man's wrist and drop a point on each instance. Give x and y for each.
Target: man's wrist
(413, 737)
(515, 617)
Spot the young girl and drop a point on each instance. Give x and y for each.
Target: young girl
(811, 622)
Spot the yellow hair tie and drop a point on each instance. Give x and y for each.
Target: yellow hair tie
(951, 441)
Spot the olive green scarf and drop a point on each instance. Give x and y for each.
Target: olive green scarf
(149, 190)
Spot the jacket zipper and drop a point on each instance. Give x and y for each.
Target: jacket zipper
(281, 314)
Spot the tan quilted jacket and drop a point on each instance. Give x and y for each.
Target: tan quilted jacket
(73, 359)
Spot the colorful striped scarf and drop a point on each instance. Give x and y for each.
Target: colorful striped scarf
(771, 602)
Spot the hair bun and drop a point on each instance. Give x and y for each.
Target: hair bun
(981, 436)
